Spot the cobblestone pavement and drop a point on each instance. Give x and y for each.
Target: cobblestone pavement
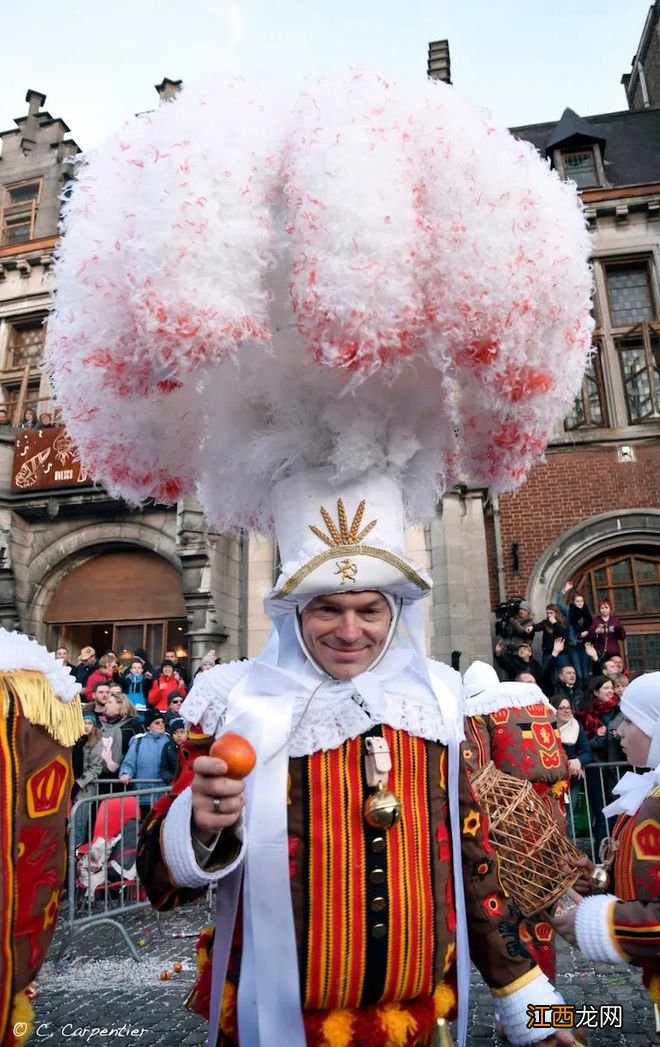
(91, 991)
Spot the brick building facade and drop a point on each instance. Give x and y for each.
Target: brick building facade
(591, 511)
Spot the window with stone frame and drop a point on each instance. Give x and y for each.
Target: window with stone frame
(580, 166)
(631, 584)
(590, 407)
(639, 357)
(26, 344)
(643, 651)
(629, 293)
(18, 212)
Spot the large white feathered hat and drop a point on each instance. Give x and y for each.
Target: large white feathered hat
(356, 274)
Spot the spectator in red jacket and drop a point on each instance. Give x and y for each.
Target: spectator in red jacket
(164, 685)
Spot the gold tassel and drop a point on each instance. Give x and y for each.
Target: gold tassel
(41, 706)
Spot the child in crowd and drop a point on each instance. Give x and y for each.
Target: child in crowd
(178, 734)
(136, 686)
(174, 702)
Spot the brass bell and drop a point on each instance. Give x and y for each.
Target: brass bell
(382, 809)
(599, 879)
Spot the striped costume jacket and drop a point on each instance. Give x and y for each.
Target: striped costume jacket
(374, 910)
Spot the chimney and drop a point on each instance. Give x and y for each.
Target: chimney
(438, 66)
(35, 100)
(168, 89)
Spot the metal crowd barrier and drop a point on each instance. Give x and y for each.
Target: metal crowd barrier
(584, 819)
(103, 883)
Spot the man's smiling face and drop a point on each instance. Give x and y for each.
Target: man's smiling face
(346, 632)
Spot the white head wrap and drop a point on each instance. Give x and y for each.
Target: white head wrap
(640, 702)
(484, 692)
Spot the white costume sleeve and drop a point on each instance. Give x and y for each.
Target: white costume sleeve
(178, 847)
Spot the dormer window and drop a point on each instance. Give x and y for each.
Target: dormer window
(580, 167)
(576, 149)
(19, 212)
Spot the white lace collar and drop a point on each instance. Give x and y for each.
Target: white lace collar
(396, 694)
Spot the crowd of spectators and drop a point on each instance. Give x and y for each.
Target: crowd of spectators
(133, 726)
(581, 670)
(30, 420)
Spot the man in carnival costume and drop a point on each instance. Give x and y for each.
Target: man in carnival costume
(329, 307)
(513, 724)
(40, 719)
(624, 926)
(365, 922)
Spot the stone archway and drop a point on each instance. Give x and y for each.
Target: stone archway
(66, 552)
(573, 549)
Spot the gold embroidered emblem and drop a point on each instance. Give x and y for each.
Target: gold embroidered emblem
(347, 569)
(340, 533)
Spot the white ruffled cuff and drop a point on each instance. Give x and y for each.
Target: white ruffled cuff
(178, 849)
(592, 929)
(511, 1004)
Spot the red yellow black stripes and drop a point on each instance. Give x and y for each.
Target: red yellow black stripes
(477, 739)
(8, 789)
(646, 933)
(337, 902)
(624, 872)
(409, 971)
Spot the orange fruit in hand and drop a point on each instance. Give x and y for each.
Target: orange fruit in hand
(236, 751)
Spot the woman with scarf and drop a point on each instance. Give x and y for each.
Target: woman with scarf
(598, 713)
(624, 926)
(578, 754)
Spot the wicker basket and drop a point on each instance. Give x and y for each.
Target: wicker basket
(530, 845)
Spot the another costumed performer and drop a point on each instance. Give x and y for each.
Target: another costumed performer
(513, 724)
(623, 925)
(327, 309)
(40, 719)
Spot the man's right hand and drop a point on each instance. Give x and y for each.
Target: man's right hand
(209, 784)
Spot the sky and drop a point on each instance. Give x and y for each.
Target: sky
(526, 60)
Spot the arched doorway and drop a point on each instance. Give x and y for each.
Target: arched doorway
(629, 579)
(120, 600)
